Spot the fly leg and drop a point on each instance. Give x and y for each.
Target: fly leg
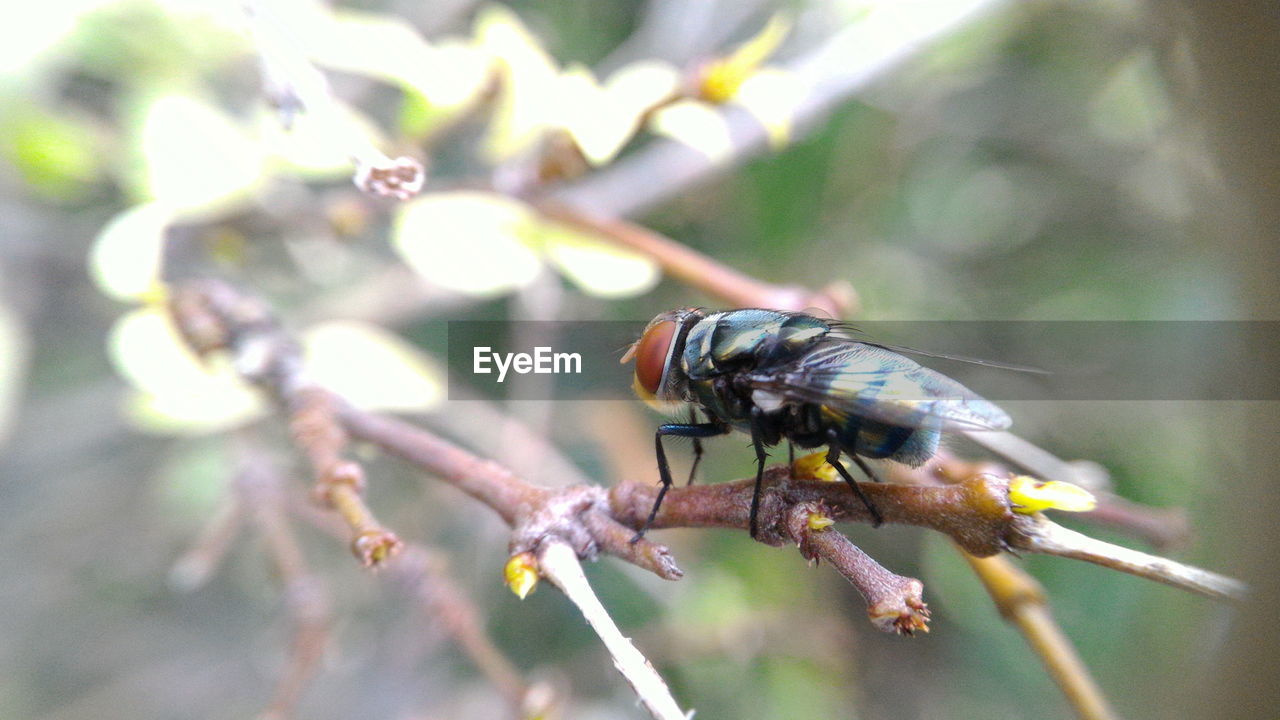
(833, 459)
(758, 444)
(697, 448)
(689, 430)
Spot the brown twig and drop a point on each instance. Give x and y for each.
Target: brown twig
(975, 512)
(895, 603)
(213, 316)
(704, 273)
(1021, 601)
(305, 596)
(424, 575)
(576, 514)
(199, 563)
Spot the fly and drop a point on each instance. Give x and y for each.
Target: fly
(790, 376)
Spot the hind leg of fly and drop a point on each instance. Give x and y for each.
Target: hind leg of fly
(689, 430)
(833, 459)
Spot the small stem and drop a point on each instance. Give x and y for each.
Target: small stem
(702, 272)
(1036, 533)
(559, 563)
(200, 562)
(1021, 601)
(304, 594)
(425, 575)
(895, 603)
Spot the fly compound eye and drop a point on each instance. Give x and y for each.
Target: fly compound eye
(651, 354)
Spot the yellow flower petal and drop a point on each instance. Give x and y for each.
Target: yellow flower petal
(722, 79)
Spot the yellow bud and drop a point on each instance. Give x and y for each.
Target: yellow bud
(722, 78)
(156, 295)
(819, 522)
(521, 574)
(814, 466)
(1030, 495)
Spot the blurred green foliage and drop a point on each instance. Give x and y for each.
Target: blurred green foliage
(1038, 164)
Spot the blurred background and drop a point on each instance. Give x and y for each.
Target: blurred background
(1038, 161)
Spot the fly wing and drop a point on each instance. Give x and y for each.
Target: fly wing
(846, 377)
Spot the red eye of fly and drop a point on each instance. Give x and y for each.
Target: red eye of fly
(651, 354)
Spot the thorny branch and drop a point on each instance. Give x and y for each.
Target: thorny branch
(974, 512)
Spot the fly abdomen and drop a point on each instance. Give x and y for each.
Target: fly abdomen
(871, 439)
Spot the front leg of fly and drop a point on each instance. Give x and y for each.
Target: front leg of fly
(697, 448)
(689, 430)
(757, 441)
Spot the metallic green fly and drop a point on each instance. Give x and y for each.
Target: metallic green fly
(791, 376)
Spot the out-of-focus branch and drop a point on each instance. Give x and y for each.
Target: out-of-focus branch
(425, 576)
(559, 563)
(199, 563)
(849, 62)
(212, 316)
(1164, 528)
(305, 596)
(423, 573)
(1021, 601)
(700, 271)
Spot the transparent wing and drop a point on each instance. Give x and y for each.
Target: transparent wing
(853, 378)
